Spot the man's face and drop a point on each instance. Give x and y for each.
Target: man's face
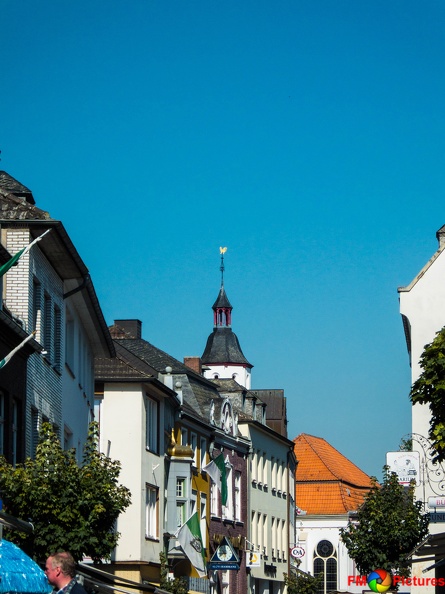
(52, 573)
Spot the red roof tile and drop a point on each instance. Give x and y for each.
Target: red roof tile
(326, 481)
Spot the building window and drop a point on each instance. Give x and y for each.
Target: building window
(194, 446)
(57, 338)
(69, 343)
(36, 308)
(325, 562)
(152, 413)
(180, 487)
(203, 519)
(213, 499)
(151, 512)
(228, 511)
(238, 496)
(47, 326)
(203, 451)
(181, 501)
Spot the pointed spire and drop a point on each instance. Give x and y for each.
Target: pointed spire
(222, 251)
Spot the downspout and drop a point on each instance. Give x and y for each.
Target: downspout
(82, 286)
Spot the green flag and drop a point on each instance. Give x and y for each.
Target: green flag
(190, 539)
(4, 269)
(216, 469)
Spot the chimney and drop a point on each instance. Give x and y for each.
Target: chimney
(194, 363)
(441, 236)
(131, 328)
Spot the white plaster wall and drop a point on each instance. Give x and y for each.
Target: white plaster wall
(242, 374)
(122, 421)
(423, 303)
(310, 531)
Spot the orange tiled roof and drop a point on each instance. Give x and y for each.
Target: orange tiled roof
(326, 481)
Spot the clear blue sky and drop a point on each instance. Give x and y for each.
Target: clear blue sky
(308, 137)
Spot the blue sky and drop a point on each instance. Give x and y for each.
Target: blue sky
(307, 137)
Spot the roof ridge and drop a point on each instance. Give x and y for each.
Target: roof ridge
(339, 477)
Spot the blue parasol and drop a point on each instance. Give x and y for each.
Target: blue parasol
(19, 574)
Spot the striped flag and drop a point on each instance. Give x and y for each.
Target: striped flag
(216, 469)
(190, 539)
(17, 348)
(4, 269)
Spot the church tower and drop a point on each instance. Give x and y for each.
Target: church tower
(223, 356)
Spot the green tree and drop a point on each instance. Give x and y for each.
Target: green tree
(175, 585)
(429, 389)
(302, 583)
(388, 526)
(71, 507)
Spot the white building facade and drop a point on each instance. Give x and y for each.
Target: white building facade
(422, 306)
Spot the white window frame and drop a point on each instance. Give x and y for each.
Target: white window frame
(151, 512)
(152, 424)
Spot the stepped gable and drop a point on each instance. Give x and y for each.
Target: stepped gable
(326, 481)
(17, 201)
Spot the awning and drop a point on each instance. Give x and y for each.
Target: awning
(15, 523)
(430, 549)
(19, 573)
(105, 580)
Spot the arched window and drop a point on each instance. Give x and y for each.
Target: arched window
(325, 561)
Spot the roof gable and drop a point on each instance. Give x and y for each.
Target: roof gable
(326, 481)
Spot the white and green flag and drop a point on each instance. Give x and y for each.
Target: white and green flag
(10, 263)
(190, 539)
(13, 352)
(216, 469)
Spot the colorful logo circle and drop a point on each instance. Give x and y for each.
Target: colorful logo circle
(379, 580)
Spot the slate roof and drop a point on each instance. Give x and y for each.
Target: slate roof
(11, 186)
(222, 300)
(125, 366)
(140, 356)
(326, 481)
(223, 347)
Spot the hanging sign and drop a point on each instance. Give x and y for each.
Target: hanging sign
(224, 557)
(297, 552)
(253, 559)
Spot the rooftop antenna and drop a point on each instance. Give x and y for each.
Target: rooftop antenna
(222, 251)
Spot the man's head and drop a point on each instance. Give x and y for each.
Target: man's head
(60, 568)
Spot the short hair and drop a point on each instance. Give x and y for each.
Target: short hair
(65, 561)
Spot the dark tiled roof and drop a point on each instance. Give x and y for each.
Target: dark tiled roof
(222, 300)
(12, 186)
(153, 356)
(223, 347)
(197, 391)
(124, 366)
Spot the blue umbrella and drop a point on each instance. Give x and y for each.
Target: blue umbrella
(19, 574)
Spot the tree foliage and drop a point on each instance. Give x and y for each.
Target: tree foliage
(71, 507)
(302, 583)
(389, 525)
(173, 585)
(429, 388)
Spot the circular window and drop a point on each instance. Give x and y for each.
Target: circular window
(325, 549)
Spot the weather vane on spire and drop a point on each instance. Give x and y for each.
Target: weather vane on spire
(222, 251)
